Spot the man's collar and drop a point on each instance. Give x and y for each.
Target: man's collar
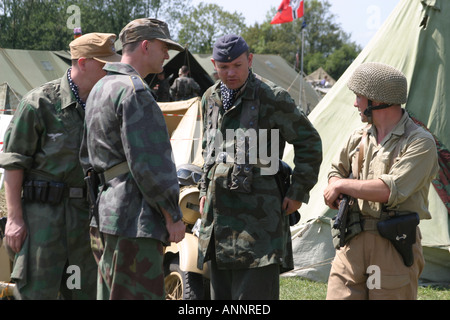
(67, 96)
(74, 88)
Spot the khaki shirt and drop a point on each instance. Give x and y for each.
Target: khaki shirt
(406, 161)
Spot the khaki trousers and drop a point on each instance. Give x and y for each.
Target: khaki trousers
(370, 268)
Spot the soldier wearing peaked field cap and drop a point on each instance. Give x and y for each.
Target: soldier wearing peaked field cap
(47, 226)
(146, 29)
(393, 161)
(98, 46)
(126, 141)
(245, 212)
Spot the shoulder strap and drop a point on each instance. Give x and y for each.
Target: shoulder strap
(138, 83)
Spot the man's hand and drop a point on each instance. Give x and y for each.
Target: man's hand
(16, 230)
(290, 206)
(202, 204)
(331, 194)
(15, 233)
(176, 230)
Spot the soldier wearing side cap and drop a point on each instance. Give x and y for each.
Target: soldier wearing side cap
(126, 143)
(245, 230)
(392, 161)
(47, 227)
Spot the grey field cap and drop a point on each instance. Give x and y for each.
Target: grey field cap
(147, 29)
(379, 82)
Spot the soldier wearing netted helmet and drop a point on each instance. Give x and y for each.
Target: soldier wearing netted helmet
(386, 168)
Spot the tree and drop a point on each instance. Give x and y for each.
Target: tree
(47, 24)
(201, 26)
(26, 25)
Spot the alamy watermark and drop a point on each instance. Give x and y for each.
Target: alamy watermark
(74, 21)
(373, 17)
(74, 280)
(374, 279)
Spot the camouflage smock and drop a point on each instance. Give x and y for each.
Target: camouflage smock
(184, 88)
(124, 123)
(45, 134)
(250, 229)
(44, 139)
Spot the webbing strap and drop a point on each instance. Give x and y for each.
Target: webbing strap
(115, 171)
(360, 154)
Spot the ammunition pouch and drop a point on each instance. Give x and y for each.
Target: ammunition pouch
(352, 227)
(401, 231)
(50, 192)
(241, 178)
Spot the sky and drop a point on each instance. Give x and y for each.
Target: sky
(360, 18)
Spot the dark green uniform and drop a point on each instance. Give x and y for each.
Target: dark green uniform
(43, 139)
(249, 228)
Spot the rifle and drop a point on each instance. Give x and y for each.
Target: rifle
(340, 221)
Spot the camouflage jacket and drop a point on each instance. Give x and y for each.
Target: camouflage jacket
(184, 88)
(249, 228)
(124, 123)
(45, 134)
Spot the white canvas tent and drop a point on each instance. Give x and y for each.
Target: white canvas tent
(183, 119)
(414, 39)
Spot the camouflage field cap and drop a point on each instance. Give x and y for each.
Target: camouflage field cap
(98, 46)
(379, 82)
(147, 29)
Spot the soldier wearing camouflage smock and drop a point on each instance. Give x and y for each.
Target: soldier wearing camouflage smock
(48, 228)
(184, 87)
(245, 229)
(126, 142)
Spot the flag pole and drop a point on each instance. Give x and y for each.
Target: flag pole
(301, 67)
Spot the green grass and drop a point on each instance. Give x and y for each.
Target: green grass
(296, 288)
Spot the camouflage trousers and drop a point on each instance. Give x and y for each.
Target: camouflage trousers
(56, 259)
(128, 268)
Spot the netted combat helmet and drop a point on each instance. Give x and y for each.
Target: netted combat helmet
(379, 82)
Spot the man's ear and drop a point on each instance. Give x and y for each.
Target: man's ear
(144, 45)
(82, 63)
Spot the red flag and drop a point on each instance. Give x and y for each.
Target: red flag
(288, 11)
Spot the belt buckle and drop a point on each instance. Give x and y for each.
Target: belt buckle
(76, 193)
